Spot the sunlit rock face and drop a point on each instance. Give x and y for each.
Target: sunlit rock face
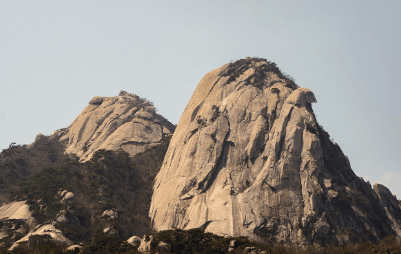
(248, 158)
(125, 122)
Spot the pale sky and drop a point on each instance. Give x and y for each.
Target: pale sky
(56, 55)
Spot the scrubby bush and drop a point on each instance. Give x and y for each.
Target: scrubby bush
(103, 244)
(261, 72)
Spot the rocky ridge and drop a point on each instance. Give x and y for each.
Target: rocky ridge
(248, 158)
(125, 122)
(122, 141)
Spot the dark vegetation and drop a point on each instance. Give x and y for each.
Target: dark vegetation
(198, 241)
(108, 244)
(259, 78)
(192, 241)
(109, 181)
(19, 162)
(14, 230)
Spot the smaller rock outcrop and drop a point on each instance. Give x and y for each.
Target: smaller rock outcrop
(145, 246)
(125, 122)
(75, 248)
(66, 195)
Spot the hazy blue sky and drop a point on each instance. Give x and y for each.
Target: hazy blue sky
(56, 55)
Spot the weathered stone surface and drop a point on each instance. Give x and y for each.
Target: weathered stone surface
(62, 193)
(144, 246)
(391, 206)
(65, 217)
(248, 158)
(249, 249)
(134, 240)
(75, 248)
(55, 234)
(62, 218)
(112, 214)
(68, 196)
(15, 210)
(111, 230)
(123, 122)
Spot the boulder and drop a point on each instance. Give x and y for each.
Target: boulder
(134, 240)
(112, 214)
(232, 246)
(62, 218)
(68, 196)
(249, 249)
(111, 230)
(248, 158)
(75, 248)
(144, 115)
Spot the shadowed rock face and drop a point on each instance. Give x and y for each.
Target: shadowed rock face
(124, 121)
(248, 158)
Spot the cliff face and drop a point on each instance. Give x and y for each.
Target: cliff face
(125, 121)
(248, 158)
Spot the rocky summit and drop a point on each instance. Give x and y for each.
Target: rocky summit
(125, 122)
(248, 158)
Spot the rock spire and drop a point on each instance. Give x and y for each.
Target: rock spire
(248, 158)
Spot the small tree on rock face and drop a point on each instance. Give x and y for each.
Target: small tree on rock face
(108, 244)
(122, 92)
